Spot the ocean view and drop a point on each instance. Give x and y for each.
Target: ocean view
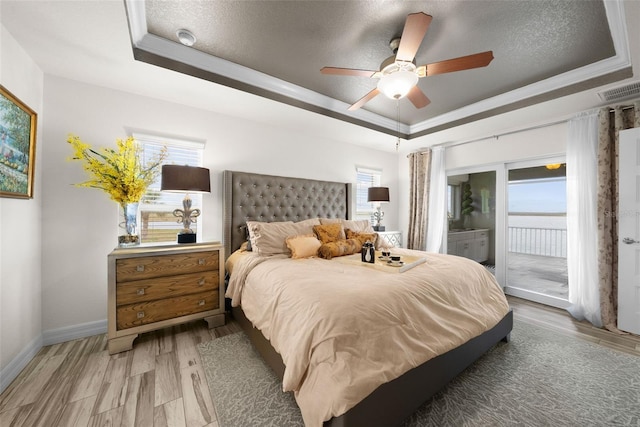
(558, 221)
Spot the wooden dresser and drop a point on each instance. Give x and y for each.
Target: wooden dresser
(152, 287)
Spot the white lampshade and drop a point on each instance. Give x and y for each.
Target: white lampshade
(397, 85)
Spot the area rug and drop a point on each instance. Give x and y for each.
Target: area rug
(540, 378)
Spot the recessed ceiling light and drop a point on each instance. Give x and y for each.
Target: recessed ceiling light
(186, 37)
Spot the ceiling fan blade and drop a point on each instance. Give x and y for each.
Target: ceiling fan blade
(347, 72)
(368, 97)
(418, 98)
(415, 28)
(476, 60)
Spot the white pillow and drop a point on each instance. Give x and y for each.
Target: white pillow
(360, 226)
(269, 238)
(381, 243)
(306, 226)
(304, 246)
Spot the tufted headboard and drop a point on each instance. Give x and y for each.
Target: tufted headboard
(251, 196)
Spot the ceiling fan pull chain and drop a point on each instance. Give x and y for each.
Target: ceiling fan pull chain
(398, 122)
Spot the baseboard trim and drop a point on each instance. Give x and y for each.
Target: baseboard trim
(50, 337)
(18, 363)
(70, 333)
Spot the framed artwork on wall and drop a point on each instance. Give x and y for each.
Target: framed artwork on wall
(17, 146)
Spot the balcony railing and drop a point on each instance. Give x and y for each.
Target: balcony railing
(550, 242)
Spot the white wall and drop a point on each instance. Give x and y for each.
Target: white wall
(528, 144)
(20, 278)
(79, 225)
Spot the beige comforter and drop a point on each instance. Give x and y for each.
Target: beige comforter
(343, 330)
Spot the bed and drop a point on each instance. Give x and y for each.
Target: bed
(265, 198)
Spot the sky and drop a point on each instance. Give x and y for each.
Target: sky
(543, 195)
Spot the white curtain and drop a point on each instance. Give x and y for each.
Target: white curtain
(582, 223)
(437, 200)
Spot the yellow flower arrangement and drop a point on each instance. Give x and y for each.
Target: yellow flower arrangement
(119, 173)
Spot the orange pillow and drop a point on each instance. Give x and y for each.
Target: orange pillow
(339, 248)
(328, 233)
(304, 246)
(362, 237)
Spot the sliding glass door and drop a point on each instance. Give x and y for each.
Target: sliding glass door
(536, 235)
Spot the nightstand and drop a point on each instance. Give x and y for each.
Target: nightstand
(153, 287)
(393, 238)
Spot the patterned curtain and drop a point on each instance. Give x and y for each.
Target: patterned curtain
(419, 168)
(610, 125)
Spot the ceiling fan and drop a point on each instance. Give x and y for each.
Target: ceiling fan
(399, 74)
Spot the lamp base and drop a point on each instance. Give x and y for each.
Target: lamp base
(186, 237)
(378, 228)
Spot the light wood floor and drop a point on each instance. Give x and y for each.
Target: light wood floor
(161, 381)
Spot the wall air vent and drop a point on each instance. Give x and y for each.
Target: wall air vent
(620, 93)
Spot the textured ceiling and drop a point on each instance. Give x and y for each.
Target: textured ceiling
(108, 43)
(532, 40)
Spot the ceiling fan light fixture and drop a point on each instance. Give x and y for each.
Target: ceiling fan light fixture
(397, 84)
(186, 37)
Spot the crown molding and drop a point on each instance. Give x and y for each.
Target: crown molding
(188, 60)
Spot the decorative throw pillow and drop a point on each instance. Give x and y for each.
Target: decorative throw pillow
(304, 246)
(325, 221)
(329, 232)
(362, 237)
(339, 248)
(359, 226)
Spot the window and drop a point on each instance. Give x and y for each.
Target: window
(157, 222)
(366, 178)
(454, 199)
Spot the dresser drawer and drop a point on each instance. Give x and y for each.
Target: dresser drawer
(129, 269)
(166, 287)
(132, 315)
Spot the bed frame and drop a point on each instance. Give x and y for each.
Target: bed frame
(249, 196)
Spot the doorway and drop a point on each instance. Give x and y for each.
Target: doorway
(536, 235)
(521, 207)
(471, 216)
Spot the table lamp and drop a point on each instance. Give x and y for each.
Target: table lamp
(185, 179)
(379, 195)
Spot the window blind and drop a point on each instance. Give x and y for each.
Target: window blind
(365, 178)
(158, 224)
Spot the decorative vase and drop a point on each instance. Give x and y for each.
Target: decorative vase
(129, 234)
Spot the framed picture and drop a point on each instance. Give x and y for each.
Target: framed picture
(17, 146)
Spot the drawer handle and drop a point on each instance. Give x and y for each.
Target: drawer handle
(201, 261)
(140, 314)
(201, 302)
(201, 282)
(140, 291)
(140, 268)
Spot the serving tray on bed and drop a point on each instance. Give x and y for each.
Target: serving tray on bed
(408, 262)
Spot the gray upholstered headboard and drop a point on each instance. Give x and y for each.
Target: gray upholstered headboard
(251, 196)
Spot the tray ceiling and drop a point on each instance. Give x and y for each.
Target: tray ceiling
(542, 50)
